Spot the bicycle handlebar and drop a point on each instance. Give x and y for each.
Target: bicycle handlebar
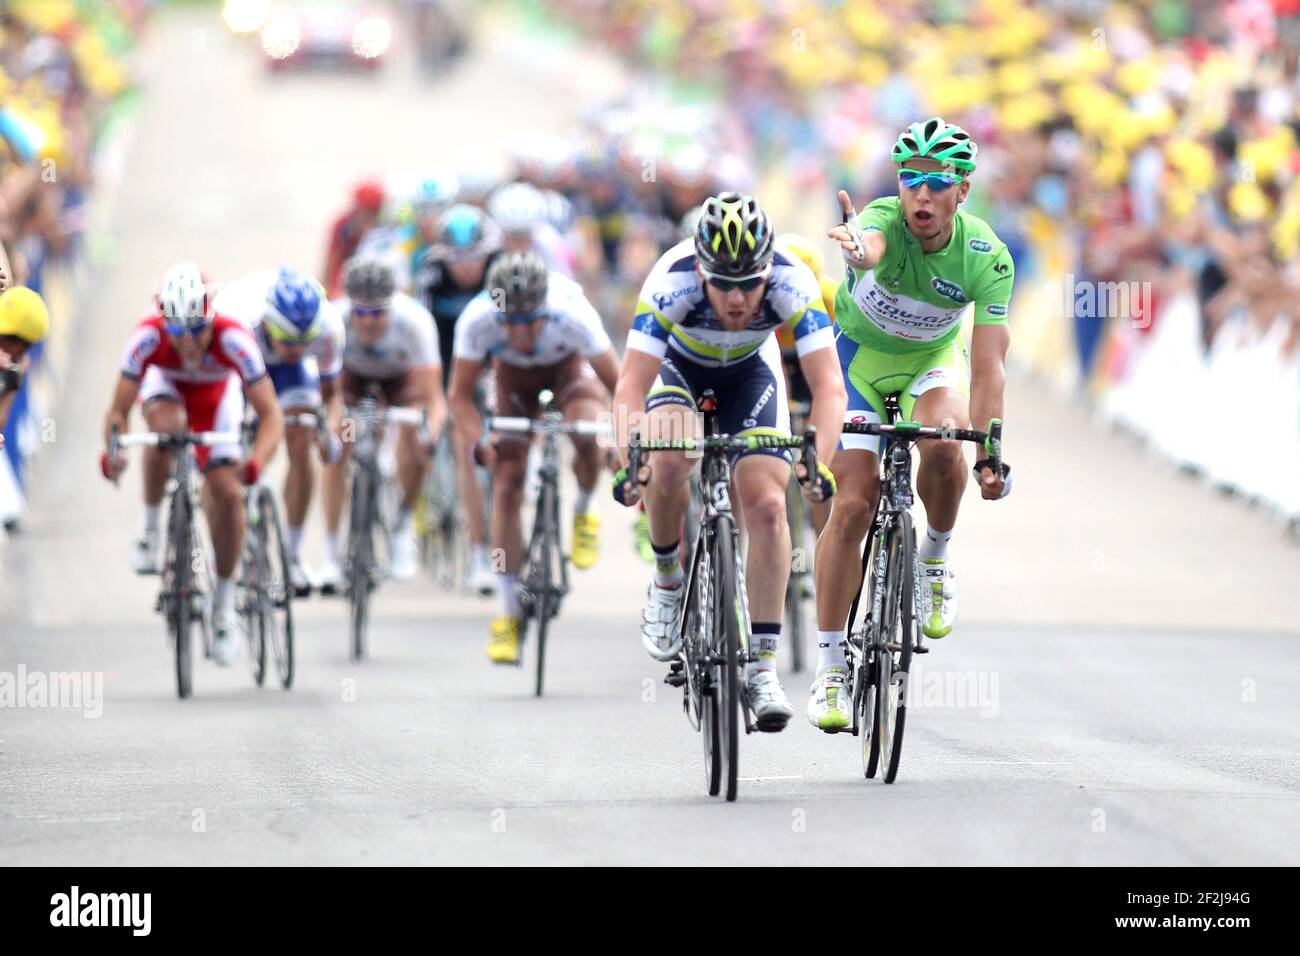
(518, 425)
(176, 439)
(990, 441)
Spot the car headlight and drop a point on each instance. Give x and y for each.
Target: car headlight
(280, 38)
(245, 16)
(371, 37)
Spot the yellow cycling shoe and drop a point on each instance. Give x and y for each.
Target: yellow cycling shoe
(504, 646)
(586, 540)
(641, 538)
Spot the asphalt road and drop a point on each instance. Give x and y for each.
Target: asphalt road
(1124, 686)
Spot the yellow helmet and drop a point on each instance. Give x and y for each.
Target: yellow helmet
(812, 256)
(23, 315)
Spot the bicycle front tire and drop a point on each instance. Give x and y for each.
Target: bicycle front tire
(180, 536)
(728, 620)
(280, 594)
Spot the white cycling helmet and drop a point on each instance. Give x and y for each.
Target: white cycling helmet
(185, 297)
(517, 207)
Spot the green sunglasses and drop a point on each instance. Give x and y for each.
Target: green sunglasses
(937, 181)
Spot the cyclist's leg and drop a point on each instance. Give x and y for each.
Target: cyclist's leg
(223, 495)
(163, 411)
(582, 398)
(837, 565)
(297, 386)
(939, 395)
(670, 414)
(336, 475)
(413, 459)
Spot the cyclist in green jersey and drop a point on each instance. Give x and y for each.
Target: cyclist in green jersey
(915, 263)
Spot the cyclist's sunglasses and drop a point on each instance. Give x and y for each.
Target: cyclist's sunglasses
(281, 336)
(937, 181)
(747, 284)
(369, 311)
(521, 318)
(180, 331)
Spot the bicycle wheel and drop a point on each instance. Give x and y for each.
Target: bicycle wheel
(697, 616)
(728, 623)
(794, 589)
(361, 558)
(278, 613)
(252, 592)
(543, 587)
(865, 691)
(180, 610)
(895, 658)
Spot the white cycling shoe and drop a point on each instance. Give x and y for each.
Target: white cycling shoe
(828, 704)
(659, 633)
(481, 579)
(938, 598)
(145, 552)
(329, 577)
(229, 634)
(405, 558)
(772, 709)
(299, 579)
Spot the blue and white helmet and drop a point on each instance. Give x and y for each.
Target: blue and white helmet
(294, 307)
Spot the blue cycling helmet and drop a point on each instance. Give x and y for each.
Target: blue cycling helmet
(465, 231)
(294, 307)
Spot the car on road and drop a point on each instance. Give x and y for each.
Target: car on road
(326, 34)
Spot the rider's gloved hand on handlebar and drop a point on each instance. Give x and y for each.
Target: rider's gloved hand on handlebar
(111, 468)
(250, 471)
(626, 491)
(992, 487)
(821, 487)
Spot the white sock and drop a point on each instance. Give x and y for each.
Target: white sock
(830, 650)
(295, 541)
(582, 501)
(151, 514)
(403, 521)
(935, 543)
(763, 647)
(332, 546)
(668, 565)
(223, 599)
(479, 555)
(507, 583)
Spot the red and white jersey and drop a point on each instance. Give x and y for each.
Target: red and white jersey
(232, 349)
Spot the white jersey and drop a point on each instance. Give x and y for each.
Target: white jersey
(245, 300)
(409, 341)
(571, 325)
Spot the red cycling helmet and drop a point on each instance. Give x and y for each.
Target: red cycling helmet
(369, 194)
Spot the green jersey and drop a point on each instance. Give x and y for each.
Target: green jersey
(913, 300)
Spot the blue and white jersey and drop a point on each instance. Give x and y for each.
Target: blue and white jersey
(571, 325)
(245, 300)
(673, 312)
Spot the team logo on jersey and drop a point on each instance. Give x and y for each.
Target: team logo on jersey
(665, 299)
(949, 290)
(996, 310)
(980, 245)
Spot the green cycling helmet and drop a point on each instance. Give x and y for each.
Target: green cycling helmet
(733, 236)
(939, 140)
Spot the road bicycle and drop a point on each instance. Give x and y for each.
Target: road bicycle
(363, 570)
(880, 646)
(544, 575)
(714, 625)
(187, 574)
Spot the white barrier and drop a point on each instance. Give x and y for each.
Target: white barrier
(1232, 414)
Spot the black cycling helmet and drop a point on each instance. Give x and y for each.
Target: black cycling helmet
(517, 283)
(369, 279)
(733, 236)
